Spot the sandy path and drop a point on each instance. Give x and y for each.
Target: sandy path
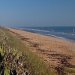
(51, 49)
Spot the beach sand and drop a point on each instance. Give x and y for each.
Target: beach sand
(48, 48)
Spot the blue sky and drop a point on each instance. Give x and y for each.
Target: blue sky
(37, 12)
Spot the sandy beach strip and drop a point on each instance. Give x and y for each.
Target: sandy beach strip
(49, 48)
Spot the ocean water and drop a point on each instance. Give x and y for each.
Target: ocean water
(66, 32)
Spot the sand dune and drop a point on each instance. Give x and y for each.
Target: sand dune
(51, 49)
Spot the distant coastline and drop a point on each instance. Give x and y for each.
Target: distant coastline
(63, 32)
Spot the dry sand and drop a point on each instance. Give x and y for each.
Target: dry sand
(49, 48)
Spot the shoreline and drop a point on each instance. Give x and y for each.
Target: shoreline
(51, 35)
(47, 47)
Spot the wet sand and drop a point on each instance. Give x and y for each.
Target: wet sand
(48, 48)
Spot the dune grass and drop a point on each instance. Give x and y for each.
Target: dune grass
(35, 65)
(7, 71)
(70, 70)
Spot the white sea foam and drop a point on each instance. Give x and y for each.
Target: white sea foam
(56, 36)
(38, 30)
